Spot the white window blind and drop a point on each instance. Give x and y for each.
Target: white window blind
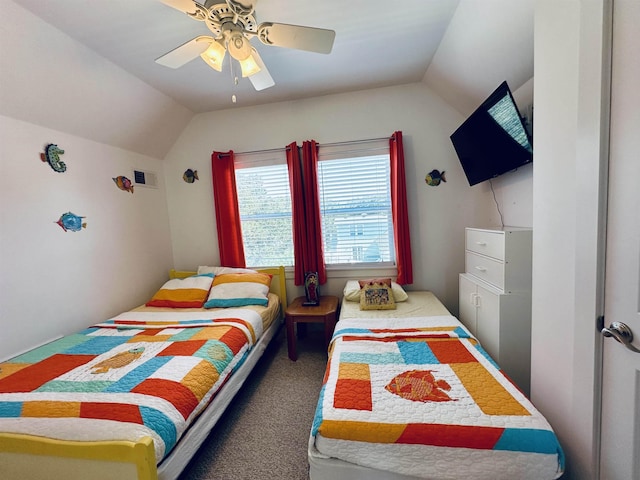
(264, 200)
(355, 202)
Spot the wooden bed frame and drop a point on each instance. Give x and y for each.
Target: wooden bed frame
(25, 456)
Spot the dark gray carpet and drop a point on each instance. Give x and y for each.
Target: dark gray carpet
(264, 432)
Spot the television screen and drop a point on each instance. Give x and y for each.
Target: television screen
(493, 140)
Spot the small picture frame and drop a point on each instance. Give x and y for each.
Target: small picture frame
(311, 289)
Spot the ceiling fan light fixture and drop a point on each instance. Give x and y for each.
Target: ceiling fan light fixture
(214, 55)
(239, 47)
(249, 66)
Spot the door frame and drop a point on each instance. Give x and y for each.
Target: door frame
(605, 130)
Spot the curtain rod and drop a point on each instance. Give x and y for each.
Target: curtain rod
(352, 142)
(268, 150)
(335, 144)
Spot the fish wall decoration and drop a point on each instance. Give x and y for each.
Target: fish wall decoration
(434, 177)
(70, 222)
(190, 176)
(51, 155)
(123, 183)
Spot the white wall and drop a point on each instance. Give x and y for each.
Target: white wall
(567, 174)
(438, 215)
(513, 190)
(54, 282)
(486, 43)
(49, 79)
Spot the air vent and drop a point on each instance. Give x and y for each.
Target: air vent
(144, 178)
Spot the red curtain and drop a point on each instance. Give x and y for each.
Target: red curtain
(399, 210)
(297, 210)
(311, 255)
(227, 211)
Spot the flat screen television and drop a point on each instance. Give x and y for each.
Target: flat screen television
(493, 140)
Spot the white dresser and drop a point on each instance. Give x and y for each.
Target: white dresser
(495, 296)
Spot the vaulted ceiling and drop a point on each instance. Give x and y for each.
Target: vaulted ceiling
(88, 68)
(461, 48)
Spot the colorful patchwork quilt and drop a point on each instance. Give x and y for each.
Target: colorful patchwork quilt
(420, 397)
(138, 374)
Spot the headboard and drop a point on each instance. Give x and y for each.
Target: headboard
(278, 284)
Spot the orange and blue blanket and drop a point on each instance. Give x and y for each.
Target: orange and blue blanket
(420, 397)
(138, 374)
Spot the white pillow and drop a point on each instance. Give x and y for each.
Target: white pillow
(352, 291)
(221, 270)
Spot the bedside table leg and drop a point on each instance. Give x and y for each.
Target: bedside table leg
(291, 339)
(329, 326)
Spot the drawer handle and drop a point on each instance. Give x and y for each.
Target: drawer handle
(482, 244)
(481, 269)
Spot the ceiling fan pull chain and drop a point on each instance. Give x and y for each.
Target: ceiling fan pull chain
(234, 78)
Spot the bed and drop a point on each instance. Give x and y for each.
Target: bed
(134, 397)
(409, 393)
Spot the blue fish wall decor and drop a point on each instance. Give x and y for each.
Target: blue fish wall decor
(51, 155)
(70, 222)
(434, 177)
(190, 176)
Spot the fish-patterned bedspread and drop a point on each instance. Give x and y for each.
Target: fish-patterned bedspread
(420, 397)
(138, 374)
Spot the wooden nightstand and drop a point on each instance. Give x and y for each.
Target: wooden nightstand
(325, 313)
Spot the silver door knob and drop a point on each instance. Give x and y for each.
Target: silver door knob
(622, 333)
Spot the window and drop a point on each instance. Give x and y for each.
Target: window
(355, 203)
(264, 200)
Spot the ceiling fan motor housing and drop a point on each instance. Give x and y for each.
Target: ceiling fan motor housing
(221, 16)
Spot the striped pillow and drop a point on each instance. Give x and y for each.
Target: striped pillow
(190, 292)
(239, 290)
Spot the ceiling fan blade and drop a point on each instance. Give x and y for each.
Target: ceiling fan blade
(242, 7)
(262, 79)
(185, 52)
(311, 39)
(185, 6)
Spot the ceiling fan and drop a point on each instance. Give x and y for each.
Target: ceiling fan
(233, 24)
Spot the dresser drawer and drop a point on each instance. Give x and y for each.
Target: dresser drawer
(485, 268)
(486, 243)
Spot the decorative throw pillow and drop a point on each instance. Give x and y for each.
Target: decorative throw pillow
(352, 291)
(369, 281)
(190, 292)
(377, 296)
(239, 290)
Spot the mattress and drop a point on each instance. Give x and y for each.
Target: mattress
(419, 304)
(146, 372)
(416, 396)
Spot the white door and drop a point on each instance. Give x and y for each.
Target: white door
(620, 439)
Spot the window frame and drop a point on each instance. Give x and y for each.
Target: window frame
(336, 152)
(260, 159)
(347, 151)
